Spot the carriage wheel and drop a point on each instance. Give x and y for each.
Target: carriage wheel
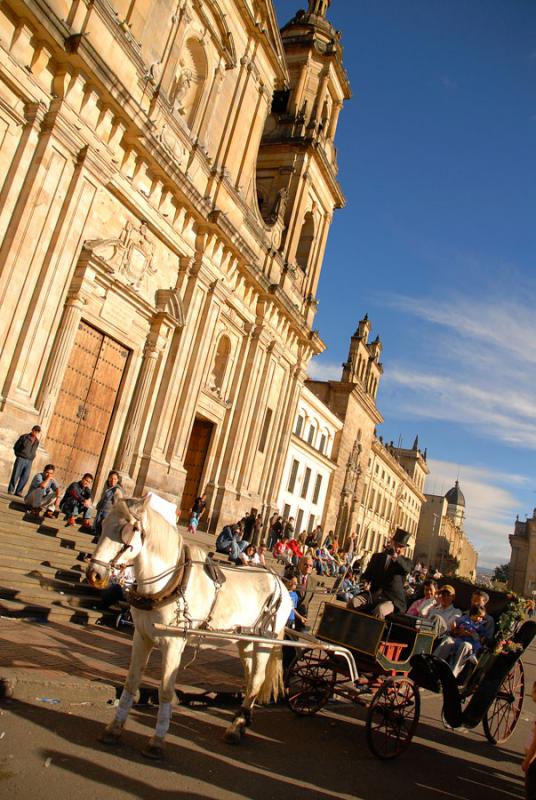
(310, 681)
(503, 714)
(392, 717)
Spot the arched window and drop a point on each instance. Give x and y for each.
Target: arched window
(221, 359)
(305, 244)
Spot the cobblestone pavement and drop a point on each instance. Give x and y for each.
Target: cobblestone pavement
(98, 654)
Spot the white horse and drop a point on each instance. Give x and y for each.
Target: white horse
(173, 586)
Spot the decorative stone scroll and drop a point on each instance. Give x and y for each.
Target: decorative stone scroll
(130, 257)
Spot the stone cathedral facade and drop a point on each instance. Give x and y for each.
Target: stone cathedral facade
(168, 179)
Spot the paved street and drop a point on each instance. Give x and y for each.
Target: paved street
(53, 746)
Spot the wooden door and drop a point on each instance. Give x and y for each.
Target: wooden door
(85, 403)
(194, 463)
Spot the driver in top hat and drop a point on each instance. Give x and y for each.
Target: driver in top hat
(384, 579)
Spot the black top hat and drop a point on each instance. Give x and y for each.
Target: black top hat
(401, 537)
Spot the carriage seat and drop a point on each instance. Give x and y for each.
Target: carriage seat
(409, 621)
(392, 650)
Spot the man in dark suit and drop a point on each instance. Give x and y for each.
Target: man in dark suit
(307, 585)
(384, 578)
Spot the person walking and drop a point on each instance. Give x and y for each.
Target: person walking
(25, 449)
(197, 511)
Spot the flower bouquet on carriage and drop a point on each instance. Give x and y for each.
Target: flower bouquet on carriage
(507, 625)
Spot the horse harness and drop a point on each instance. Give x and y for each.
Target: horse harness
(264, 624)
(176, 589)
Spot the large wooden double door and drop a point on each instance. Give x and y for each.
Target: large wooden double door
(85, 404)
(194, 463)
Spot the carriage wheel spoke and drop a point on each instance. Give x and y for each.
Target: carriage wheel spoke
(393, 716)
(310, 681)
(504, 711)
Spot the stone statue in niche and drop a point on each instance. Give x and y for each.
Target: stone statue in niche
(183, 82)
(280, 204)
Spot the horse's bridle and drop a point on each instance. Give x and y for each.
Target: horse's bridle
(111, 565)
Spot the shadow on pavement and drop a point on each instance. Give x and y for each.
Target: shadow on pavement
(283, 757)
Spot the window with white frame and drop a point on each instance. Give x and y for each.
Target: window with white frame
(305, 484)
(293, 475)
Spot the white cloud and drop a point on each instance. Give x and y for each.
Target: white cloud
(482, 370)
(324, 371)
(476, 369)
(490, 507)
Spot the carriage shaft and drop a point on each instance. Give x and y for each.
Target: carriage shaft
(310, 643)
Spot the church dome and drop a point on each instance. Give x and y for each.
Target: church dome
(455, 496)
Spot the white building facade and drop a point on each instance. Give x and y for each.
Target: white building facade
(309, 465)
(392, 496)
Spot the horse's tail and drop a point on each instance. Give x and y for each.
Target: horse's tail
(273, 685)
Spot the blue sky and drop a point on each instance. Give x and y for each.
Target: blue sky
(438, 239)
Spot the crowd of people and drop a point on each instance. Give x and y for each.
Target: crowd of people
(44, 496)
(387, 584)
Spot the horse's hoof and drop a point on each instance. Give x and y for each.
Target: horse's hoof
(109, 738)
(153, 751)
(232, 736)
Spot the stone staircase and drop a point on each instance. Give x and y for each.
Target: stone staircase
(42, 569)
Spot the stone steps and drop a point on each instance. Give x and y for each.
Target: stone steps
(37, 579)
(42, 611)
(18, 569)
(42, 569)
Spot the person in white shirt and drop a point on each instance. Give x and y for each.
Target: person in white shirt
(444, 613)
(249, 556)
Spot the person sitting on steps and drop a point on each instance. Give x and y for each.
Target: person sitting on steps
(111, 494)
(231, 543)
(77, 500)
(43, 494)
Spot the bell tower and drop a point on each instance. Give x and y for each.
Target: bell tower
(297, 165)
(363, 365)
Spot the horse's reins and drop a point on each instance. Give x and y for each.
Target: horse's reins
(111, 566)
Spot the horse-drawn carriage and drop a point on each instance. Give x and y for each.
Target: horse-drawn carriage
(385, 663)
(181, 595)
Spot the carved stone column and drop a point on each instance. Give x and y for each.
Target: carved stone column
(60, 355)
(135, 447)
(151, 353)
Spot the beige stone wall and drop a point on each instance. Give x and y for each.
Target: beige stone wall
(522, 573)
(350, 403)
(440, 543)
(390, 498)
(129, 142)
